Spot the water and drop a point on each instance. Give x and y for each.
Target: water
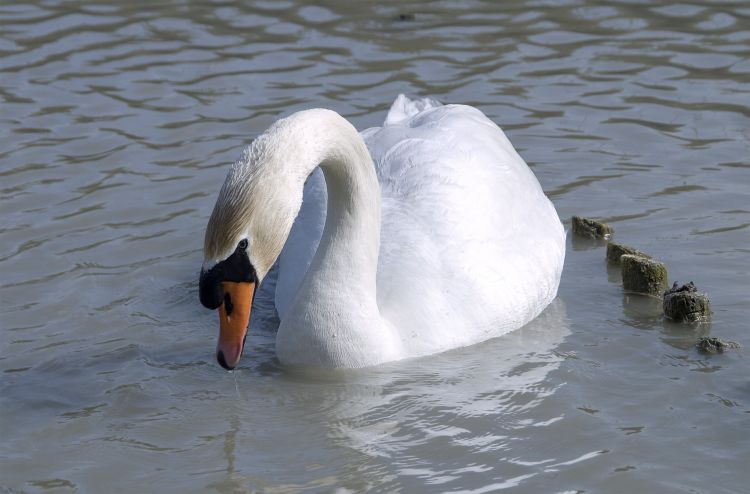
(118, 123)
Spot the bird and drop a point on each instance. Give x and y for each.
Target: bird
(425, 234)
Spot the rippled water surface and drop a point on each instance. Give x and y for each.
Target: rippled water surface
(118, 124)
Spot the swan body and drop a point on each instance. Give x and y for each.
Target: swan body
(425, 234)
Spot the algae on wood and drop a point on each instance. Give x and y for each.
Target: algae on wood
(585, 227)
(712, 344)
(643, 275)
(686, 303)
(615, 251)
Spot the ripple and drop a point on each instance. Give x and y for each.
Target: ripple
(722, 229)
(680, 189)
(119, 122)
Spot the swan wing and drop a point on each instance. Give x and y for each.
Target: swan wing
(471, 247)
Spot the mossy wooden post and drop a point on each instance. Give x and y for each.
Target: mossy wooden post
(588, 228)
(615, 251)
(643, 275)
(711, 344)
(686, 303)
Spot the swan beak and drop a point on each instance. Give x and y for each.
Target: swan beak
(234, 316)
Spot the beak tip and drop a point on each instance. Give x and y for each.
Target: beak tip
(223, 362)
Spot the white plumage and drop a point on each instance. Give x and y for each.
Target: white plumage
(462, 246)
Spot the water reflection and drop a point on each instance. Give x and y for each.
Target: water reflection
(684, 336)
(584, 243)
(641, 310)
(472, 401)
(502, 378)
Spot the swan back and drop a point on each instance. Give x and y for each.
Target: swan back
(475, 247)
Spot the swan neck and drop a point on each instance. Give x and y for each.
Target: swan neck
(334, 319)
(348, 251)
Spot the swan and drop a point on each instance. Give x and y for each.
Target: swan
(426, 234)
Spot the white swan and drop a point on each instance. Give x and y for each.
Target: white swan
(439, 237)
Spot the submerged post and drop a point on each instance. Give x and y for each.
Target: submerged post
(686, 303)
(643, 275)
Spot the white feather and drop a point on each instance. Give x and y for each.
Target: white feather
(469, 246)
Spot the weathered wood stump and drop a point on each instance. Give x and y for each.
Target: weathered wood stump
(712, 344)
(686, 303)
(588, 228)
(615, 251)
(643, 275)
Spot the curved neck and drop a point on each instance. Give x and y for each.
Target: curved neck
(334, 319)
(347, 255)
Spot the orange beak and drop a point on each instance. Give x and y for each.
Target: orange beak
(234, 316)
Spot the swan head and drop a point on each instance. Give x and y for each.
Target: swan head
(229, 286)
(247, 229)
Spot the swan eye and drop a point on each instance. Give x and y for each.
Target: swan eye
(242, 245)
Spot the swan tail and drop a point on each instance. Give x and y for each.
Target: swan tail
(404, 108)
